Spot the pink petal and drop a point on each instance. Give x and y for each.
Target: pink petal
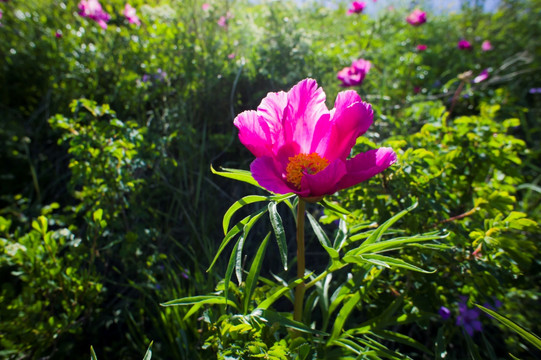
(267, 173)
(254, 133)
(351, 117)
(365, 165)
(325, 181)
(271, 110)
(306, 108)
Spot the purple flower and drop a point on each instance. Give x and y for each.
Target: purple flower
(444, 312)
(357, 7)
(416, 18)
(92, 9)
(421, 47)
(535, 91)
(481, 77)
(464, 44)
(129, 13)
(486, 45)
(58, 34)
(468, 318)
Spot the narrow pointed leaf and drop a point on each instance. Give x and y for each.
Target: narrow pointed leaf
(526, 335)
(93, 354)
(274, 317)
(334, 207)
(344, 313)
(251, 219)
(237, 253)
(394, 244)
(378, 233)
(318, 230)
(279, 232)
(190, 300)
(383, 260)
(277, 294)
(236, 174)
(250, 199)
(229, 270)
(148, 354)
(255, 268)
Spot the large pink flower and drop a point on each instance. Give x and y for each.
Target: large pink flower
(416, 18)
(464, 44)
(357, 7)
(302, 147)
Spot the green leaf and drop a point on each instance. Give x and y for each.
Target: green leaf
(384, 261)
(97, 215)
(229, 270)
(277, 294)
(255, 268)
(236, 174)
(279, 232)
(333, 207)
(318, 230)
(190, 300)
(394, 244)
(247, 221)
(526, 335)
(344, 313)
(273, 317)
(401, 338)
(250, 199)
(378, 233)
(148, 354)
(92, 354)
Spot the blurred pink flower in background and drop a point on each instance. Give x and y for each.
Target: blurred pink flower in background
(486, 45)
(417, 89)
(481, 77)
(354, 75)
(464, 45)
(416, 18)
(205, 6)
(357, 7)
(129, 13)
(231, 56)
(421, 47)
(222, 21)
(92, 9)
(58, 34)
(303, 147)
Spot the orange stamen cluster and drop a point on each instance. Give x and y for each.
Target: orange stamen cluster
(302, 164)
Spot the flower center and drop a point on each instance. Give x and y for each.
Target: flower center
(302, 164)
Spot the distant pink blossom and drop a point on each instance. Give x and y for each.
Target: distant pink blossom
(354, 75)
(486, 45)
(223, 20)
(357, 7)
(417, 89)
(1, 13)
(58, 34)
(92, 9)
(205, 6)
(481, 77)
(416, 18)
(231, 56)
(130, 14)
(302, 147)
(464, 45)
(421, 47)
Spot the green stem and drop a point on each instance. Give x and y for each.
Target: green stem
(301, 264)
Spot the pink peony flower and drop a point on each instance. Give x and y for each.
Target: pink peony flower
(481, 77)
(464, 45)
(129, 13)
(302, 147)
(357, 7)
(421, 47)
(92, 9)
(354, 74)
(416, 18)
(205, 6)
(486, 45)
